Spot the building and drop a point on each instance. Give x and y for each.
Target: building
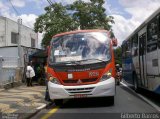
(12, 63)
(9, 34)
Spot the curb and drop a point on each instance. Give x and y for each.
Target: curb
(1, 89)
(11, 86)
(38, 109)
(32, 114)
(142, 97)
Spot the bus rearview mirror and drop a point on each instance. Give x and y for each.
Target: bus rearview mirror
(114, 42)
(47, 50)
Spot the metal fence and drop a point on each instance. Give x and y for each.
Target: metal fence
(9, 71)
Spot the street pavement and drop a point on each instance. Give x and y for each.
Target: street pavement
(22, 100)
(126, 101)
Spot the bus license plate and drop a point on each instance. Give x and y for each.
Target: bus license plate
(80, 96)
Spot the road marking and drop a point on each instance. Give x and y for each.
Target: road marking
(40, 107)
(145, 99)
(51, 112)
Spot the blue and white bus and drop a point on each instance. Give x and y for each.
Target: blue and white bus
(141, 55)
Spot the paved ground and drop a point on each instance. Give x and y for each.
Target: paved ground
(22, 100)
(125, 102)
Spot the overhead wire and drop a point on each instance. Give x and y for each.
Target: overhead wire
(54, 1)
(49, 2)
(14, 7)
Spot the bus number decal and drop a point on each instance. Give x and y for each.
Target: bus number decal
(93, 74)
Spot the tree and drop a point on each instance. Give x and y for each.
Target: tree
(55, 20)
(59, 18)
(91, 15)
(118, 55)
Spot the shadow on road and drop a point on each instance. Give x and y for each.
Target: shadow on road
(51, 105)
(87, 103)
(151, 96)
(146, 93)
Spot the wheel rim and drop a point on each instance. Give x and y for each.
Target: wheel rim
(135, 83)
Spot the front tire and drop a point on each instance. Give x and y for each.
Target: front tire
(135, 83)
(58, 102)
(118, 82)
(111, 100)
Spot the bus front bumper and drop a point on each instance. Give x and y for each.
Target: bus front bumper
(102, 89)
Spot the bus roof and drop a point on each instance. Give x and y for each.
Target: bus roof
(80, 31)
(142, 25)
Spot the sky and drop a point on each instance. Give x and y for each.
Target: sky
(128, 14)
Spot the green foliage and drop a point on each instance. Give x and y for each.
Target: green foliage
(91, 15)
(118, 55)
(55, 20)
(59, 18)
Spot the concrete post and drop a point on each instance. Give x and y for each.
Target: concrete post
(1, 59)
(19, 43)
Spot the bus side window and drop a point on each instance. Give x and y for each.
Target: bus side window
(123, 51)
(159, 42)
(159, 32)
(126, 49)
(135, 45)
(128, 46)
(152, 37)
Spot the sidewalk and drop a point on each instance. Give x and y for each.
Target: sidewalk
(22, 100)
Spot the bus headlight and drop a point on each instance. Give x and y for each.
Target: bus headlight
(106, 76)
(53, 79)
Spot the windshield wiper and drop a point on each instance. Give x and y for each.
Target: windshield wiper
(78, 62)
(67, 63)
(94, 59)
(72, 62)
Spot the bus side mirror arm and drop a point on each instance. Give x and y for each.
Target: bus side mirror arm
(114, 42)
(48, 49)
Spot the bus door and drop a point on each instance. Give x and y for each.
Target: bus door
(159, 46)
(159, 54)
(142, 36)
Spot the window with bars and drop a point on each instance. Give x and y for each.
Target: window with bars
(14, 37)
(32, 42)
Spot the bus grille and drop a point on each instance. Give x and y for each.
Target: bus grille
(80, 90)
(71, 81)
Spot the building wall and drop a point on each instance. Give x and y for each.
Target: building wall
(10, 54)
(7, 26)
(9, 66)
(2, 32)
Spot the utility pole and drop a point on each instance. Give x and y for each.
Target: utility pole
(19, 43)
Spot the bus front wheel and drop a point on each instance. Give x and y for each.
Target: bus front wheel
(111, 100)
(58, 102)
(135, 82)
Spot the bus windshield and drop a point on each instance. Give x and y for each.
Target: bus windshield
(85, 46)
